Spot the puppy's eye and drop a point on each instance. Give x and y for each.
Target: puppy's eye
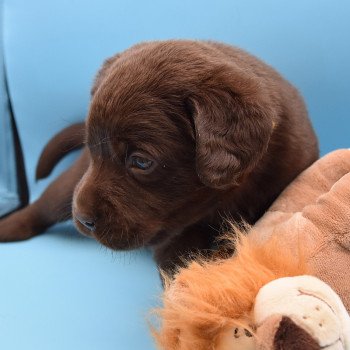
(141, 163)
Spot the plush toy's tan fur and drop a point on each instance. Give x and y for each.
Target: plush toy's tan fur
(207, 299)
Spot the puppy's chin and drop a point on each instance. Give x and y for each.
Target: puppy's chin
(115, 242)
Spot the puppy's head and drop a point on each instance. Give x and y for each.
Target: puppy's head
(171, 127)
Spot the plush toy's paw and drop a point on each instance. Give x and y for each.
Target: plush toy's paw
(301, 305)
(237, 338)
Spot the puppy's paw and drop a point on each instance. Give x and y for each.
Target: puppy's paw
(17, 227)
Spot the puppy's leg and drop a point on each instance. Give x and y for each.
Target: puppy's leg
(196, 240)
(53, 206)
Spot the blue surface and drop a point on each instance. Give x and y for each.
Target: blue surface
(59, 291)
(63, 291)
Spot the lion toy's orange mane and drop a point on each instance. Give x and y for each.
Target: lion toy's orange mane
(209, 298)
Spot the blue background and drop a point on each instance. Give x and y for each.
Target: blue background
(62, 291)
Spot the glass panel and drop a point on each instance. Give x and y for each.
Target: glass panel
(9, 199)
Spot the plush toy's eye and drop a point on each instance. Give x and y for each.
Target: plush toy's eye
(140, 163)
(237, 339)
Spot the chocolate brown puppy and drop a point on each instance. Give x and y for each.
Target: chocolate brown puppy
(180, 135)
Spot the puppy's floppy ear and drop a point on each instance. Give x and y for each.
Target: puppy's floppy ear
(234, 120)
(103, 72)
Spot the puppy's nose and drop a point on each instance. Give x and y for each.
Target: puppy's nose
(89, 223)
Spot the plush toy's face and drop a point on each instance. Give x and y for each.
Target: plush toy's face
(311, 305)
(315, 316)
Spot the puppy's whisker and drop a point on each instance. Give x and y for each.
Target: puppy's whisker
(105, 235)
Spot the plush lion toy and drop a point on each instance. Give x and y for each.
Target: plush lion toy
(288, 284)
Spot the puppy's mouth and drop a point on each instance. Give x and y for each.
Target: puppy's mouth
(118, 240)
(118, 235)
